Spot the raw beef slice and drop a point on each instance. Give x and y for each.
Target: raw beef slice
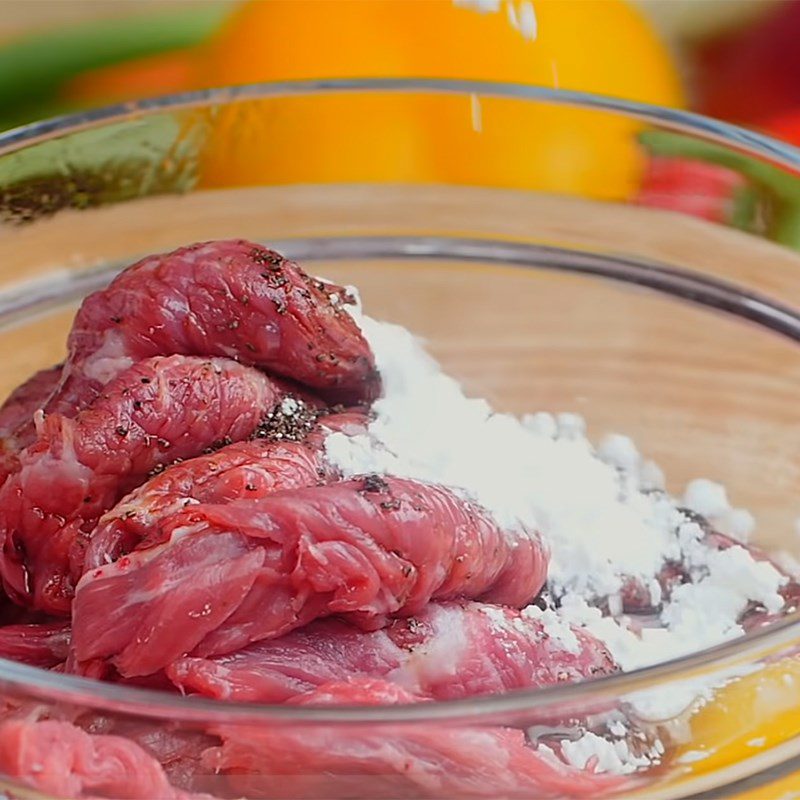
(241, 470)
(232, 574)
(447, 651)
(43, 644)
(426, 760)
(234, 299)
(61, 760)
(158, 411)
(16, 416)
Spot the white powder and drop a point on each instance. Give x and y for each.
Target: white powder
(528, 25)
(482, 6)
(698, 615)
(706, 497)
(475, 112)
(289, 406)
(788, 563)
(511, 11)
(542, 423)
(651, 476)
(521, 17)
(496, 615)
(554, 627)
(542, 473)
(738, 523)
(619, 451)
(614, 757)
(571, 426)
(425, 428)
(617, 728)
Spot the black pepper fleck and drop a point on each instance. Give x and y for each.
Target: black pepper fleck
(291, 420)
(698, 519)
(374, 483)
(267, 258)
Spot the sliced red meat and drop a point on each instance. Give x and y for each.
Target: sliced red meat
(44, 644)
(248, 470)
(425, 760)
(234, 299)
(16, 415)
(158, 411)
(204, 579)
(59, 759)
(373, 548)
(176, 748)
(448, 651)
(370, 548)
(27, 398)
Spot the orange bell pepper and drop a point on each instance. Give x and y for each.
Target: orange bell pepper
(603, 46)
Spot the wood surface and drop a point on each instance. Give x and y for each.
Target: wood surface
(703, 393)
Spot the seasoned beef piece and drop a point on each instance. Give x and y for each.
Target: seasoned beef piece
(249, 470)
(370, 548)
(414, 760)
(158, 411)
(28, 398)
(448, 651)
(43, 644)
(16, 416)
(234, 299)
(61, 760)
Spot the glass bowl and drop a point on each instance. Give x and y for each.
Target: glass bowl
(505, 225)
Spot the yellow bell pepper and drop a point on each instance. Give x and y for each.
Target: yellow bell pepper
(601, 46)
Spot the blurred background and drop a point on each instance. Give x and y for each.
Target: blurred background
(737, 60)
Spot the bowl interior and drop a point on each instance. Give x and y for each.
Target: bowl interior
(554, 321)
(494, 228)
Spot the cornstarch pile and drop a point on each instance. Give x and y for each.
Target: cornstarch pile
(603, 511)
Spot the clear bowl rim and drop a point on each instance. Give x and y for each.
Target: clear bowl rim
(43, 684)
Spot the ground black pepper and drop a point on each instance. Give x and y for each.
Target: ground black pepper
(291, 420)
(374, 483)
(267, 258)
